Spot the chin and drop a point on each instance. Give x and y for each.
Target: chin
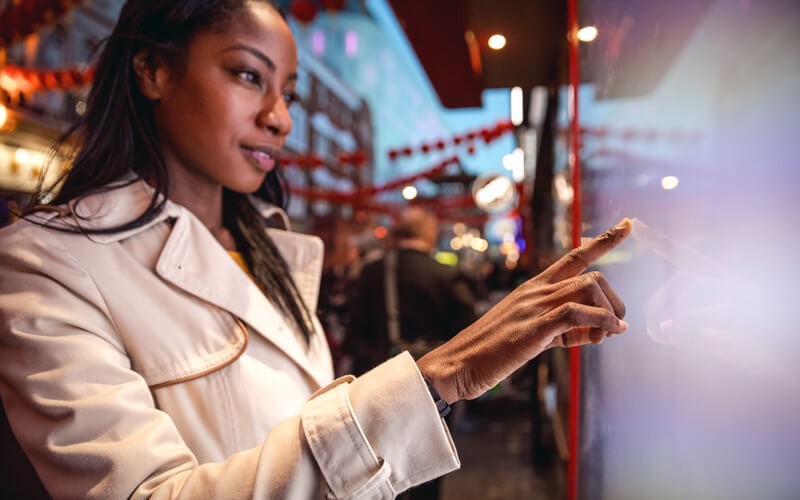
(246, 186)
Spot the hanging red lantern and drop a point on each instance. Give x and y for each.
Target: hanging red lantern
(65, 76)
(88, 75)
(333, 5)
(303, 10)
(49, 80)
(34, 80)
(77, 77)
(359, 158)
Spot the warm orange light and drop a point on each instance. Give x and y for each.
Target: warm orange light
(14, 82)
(380, 232)
(474, 53)
(587, 34)
(669, 182)
(409, 192)
(3, 116)
(497, 42)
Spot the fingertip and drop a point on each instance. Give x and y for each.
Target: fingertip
(624, 226)
(623, 324)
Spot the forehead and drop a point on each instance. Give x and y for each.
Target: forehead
(259, 26)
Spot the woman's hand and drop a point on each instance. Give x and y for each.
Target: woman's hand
(558, 308)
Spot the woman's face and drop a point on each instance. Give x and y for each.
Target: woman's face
(222, 121)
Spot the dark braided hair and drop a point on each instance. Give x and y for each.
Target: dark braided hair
(268, 268)
(117, 135)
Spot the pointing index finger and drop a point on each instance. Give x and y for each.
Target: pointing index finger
(577, 260)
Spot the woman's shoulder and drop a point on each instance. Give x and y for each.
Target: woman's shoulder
(33, 227)
(31, 251)
(51, 229)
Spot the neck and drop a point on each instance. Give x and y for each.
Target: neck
(204, 200)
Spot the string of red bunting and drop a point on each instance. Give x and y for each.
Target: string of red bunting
(449, 207)
(21, 18)
(361, 196)
(15, 79)
(355, 158)
(440, 205)
(487, 134)
(455, 208)
(637, 134)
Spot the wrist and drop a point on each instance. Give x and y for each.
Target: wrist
(441, 405)
(436, 376)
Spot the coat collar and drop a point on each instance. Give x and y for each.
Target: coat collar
(192, 260)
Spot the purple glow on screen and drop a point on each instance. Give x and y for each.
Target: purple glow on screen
(351, 43)
(318, 42)
(701, 399)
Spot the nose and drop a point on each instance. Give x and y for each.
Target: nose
(274, 116)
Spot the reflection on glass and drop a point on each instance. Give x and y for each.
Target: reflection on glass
(688, 125)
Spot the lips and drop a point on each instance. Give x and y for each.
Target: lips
(261, 158)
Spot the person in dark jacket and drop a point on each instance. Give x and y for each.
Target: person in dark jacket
(434, 301)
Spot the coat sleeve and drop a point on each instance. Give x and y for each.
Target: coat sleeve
(90, 427)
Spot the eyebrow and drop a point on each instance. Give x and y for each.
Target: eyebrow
(261, 56)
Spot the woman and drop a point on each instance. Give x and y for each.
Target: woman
(156, 340)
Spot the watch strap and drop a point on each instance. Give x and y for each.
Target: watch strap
(441, 405)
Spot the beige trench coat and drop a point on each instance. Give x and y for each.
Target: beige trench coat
(147, 363)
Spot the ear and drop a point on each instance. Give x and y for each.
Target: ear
(151, 73)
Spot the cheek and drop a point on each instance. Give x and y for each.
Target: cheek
(205, 117)
(202, 107)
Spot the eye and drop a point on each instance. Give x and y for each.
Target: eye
(290, 98)
(249, 76)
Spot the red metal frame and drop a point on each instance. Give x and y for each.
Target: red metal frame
(575, 164)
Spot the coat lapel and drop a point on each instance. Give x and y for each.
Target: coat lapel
(195, 262)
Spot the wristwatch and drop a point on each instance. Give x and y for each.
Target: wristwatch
(441, 405)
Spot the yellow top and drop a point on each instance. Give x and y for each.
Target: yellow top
(239, 259)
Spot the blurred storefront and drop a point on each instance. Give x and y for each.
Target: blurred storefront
(44, 77)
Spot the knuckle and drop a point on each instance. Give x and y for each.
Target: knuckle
(608, 235)
(611, 235)
(574, 256)
(596, 276)
(569, 312)
(591, 289)
(574, 287)
(589, 281)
